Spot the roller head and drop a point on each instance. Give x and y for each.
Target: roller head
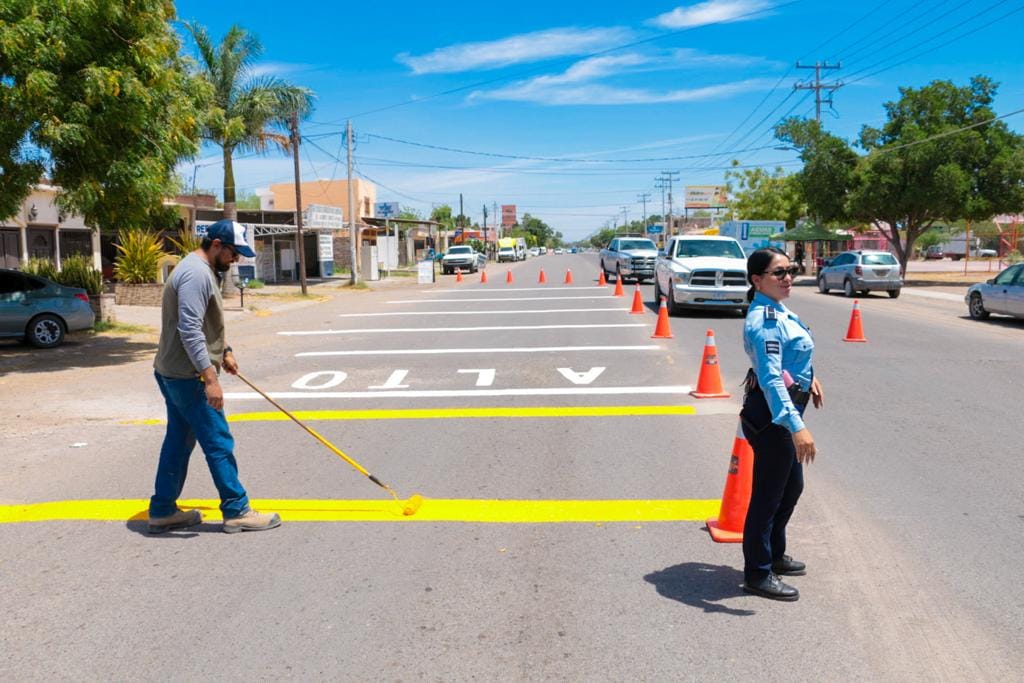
(412, 505)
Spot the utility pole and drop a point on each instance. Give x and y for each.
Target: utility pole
(462, 220)
(643, 199)
(298, 203)
(625, 219)
(486, 246)
(353, 233)
(659, 184)
(818, 86)
(667, 178)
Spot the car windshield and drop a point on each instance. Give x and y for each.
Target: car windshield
(637, 244)
(879, 260)
(692, 248)
(461, 250)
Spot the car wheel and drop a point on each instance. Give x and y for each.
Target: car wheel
(618, 273)
(848, 289)
(865, 292)
(673, 309)
(45, 331)
(657, 293)
(822, 287)
(474, 269)
(977, 307)
(893, 293)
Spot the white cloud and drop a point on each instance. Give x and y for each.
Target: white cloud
(278, 68)
(598, 94)
(710, 12)
(519, 49)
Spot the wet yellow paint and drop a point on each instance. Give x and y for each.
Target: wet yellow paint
(460, 413)
(432, 510)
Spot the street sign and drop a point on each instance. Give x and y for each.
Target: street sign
(655, 229)
(386, 209)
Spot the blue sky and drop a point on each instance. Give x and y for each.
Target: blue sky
(602, 99)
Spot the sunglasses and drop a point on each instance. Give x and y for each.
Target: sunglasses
(781, 273)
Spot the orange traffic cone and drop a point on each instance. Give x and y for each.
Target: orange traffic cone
(855, 332)
(568, 277)
(601, 282)
(728, 526)
(661, 330)
(508, 277)
(638, 302)
(483, 277)
(618, 287)
(543, 279)
(458, 274)
(709, 384)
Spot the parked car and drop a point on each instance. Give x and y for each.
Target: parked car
(862, 271)
(40, 311)
(934, 252)
(464, 258)
(702, 271)
(1002, 294)
(629, 257)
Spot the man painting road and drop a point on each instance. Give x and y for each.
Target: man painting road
(191, 353)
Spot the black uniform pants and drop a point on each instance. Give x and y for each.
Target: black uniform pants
(777, 485)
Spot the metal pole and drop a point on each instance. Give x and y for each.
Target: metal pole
(352, 232)
(298, 203)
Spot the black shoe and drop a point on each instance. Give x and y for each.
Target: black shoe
(771, 587)
(787, 566)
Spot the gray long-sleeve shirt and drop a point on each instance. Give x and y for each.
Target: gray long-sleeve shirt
(192, 311)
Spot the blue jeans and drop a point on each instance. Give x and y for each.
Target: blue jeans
(190, 418)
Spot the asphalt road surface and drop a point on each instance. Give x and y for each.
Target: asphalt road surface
(911, 521)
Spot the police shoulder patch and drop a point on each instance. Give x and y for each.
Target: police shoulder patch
(769, 313)
(772, 346)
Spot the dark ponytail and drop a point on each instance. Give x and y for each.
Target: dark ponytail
(756, 264)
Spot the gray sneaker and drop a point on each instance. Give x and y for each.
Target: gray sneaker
(179, 520)
(252, 521)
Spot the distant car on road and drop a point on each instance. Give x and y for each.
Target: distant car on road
(934, 252)
(40, 311)
(862, 271)
(1002, 294)
(463, 258)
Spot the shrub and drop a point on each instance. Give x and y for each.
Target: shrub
(186, 242)
(77, 271)
(139, 258)
(256, 284)
(41, 267)
(1014, 256)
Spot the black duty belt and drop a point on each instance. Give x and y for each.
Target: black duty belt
(796, 394)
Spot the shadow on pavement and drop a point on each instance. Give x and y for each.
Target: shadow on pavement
(702, 585)
(141, 527)
(77, 351)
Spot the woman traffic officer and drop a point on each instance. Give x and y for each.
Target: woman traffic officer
(778, 388)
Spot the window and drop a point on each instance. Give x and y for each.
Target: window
(696, 248)
(637, 244)
(879, 260)
(11, 282)
(1007, 276)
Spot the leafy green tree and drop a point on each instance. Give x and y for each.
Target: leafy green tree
(924, 165)
(601, 238)
(759, 194)
(247, 201)
(247, 113)
(541, 231)
(96, 95)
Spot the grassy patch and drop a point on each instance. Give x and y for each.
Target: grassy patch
(101, 327)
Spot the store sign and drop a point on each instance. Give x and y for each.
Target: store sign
(325, 244)
(508, 214)
(323, 216)
(706, 197)
(386, 209)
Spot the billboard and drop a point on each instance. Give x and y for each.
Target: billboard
(706, 197)
(754, 235)
(508, 214)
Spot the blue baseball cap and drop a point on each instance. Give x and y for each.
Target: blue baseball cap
(231, 233)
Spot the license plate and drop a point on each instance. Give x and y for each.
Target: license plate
(719, 296)
(881, 271)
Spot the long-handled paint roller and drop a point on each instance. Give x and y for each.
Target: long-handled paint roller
(409, 507)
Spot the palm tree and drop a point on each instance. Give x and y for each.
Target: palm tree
(244, 108)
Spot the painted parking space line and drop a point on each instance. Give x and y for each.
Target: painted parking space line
(492, 299)
(681, 389)
(467, 413)
(432, 510)
(515, 349)
(489, 311)
(492, 328)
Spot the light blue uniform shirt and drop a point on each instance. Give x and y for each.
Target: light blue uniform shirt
(776, 340)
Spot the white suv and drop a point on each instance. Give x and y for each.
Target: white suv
(861, 271)
(701, 271)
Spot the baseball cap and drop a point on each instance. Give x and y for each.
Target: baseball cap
(231, 233)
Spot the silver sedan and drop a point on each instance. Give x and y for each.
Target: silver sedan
(1002, 294)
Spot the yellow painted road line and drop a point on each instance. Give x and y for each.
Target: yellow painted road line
(460, 413)
(432, 510)
(453, 413)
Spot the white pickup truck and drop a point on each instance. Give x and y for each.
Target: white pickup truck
(629, 257)
(702, 271)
